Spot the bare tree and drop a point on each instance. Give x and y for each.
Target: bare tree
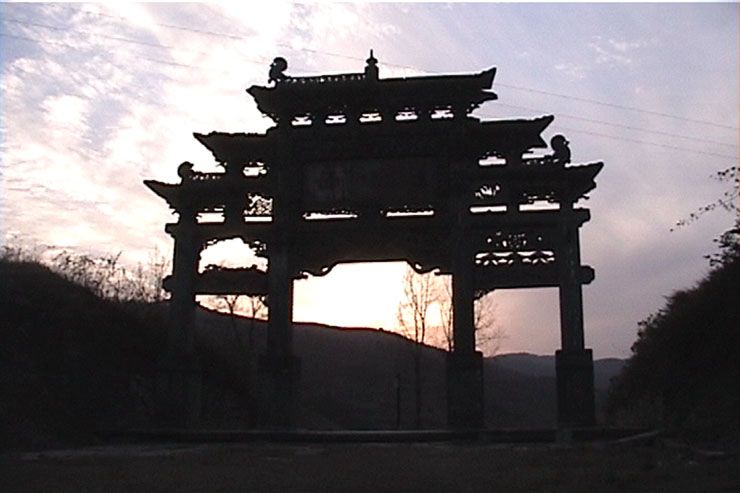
(488, 332)
(446, 314)
(253, 308)
(420, 293)
(149, 278)
(108, 278)
(728, 201)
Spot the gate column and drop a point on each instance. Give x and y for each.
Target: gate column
(464, 363)
(279, 368)
(573, 362)
(179, 377)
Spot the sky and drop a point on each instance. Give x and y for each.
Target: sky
(97, 98)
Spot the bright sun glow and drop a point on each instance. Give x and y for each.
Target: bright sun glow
(354, 295)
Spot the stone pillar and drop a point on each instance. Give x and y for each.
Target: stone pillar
(464, 390)
(235, 199)
(464, 363)
(575, 387)
(179, 377)
(573, 362)
(279, 369)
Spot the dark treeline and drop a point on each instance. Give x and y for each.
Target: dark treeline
(684, 373)
(71, 362)
(80, 341)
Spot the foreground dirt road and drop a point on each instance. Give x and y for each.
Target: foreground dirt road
(429, 467)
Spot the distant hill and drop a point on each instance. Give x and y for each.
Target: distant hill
(348, 377)
(528, 364)
(539, 374)
(71, 363)
(544, 366)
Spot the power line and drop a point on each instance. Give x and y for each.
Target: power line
(159, 45)
(236, 37)
(182, 65)
(88, 33)
(617, 125)
(169, 26)
(115, 38)
(409, 67)
(67, 45)
(153, 60)
(627, 139)
(618, 106)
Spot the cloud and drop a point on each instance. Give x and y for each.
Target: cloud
(66, 112)
(625, 46)
(609, 54)
(574, 70)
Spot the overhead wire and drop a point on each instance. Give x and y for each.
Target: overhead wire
(77, 31)
(410, 67)
(119, 39)
(238, 37)
(153, 60)
(260, 62)
(619, 106)
(168, 26)
(637, 141)
(626, 139)
(617, 125)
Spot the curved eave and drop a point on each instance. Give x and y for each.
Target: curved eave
(586, 172)
(582, 174)
(168, 191)
(209, 194)
(235, 148)
(514, 134)
(461, 83)
(583, 177)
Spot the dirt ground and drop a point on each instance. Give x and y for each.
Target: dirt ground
(427, 467)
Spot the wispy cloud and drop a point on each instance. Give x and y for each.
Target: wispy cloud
(574, 70)
(612, 52)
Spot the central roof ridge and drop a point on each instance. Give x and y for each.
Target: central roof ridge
(287, 96)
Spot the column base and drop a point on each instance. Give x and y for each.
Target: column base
(277, 391)
(179, 385)
(465, 390)
(575, 386)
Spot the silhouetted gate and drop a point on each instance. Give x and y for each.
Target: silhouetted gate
(360, 168)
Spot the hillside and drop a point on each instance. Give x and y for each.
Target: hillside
(72, 363)
(684, 372)
(348, 377)
(68, 360)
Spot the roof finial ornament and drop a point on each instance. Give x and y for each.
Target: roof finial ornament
(561, 151)
(371, 69)
(277, 70)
